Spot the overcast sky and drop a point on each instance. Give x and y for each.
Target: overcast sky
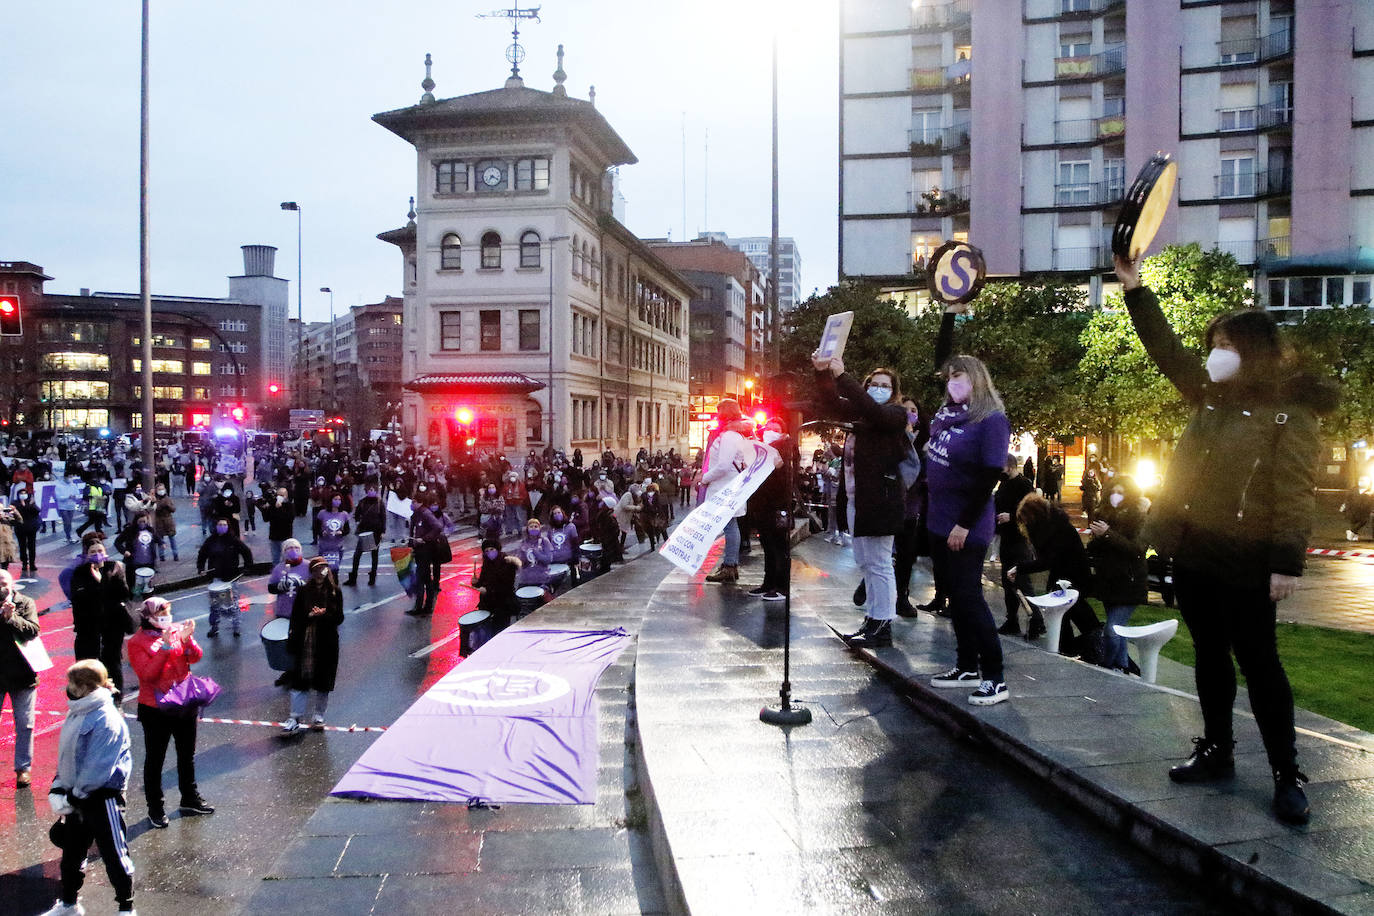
(254, 103)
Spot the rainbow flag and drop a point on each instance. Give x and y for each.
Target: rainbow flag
(403, 558)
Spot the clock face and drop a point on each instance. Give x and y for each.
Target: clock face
(493, 176)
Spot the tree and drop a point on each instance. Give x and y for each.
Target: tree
(1340, 342)
(1123, 392)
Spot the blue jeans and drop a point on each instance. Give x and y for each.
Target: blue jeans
(275, 548)
(873, 554)
(731, 555)
(975, 632)
(67, 516)
(22, 704)
(1116, 646)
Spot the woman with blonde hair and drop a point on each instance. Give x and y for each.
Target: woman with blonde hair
(969, 437)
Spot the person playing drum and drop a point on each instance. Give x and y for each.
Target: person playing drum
(226, 557)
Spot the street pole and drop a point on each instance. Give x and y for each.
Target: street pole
(144, 266)
(300, 295)
(773, 239)
(553, 240)
(333, 356)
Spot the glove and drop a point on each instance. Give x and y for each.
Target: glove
(59, 801)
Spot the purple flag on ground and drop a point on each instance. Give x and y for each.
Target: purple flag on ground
(515, 722)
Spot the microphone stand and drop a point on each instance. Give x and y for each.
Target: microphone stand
(785, 713)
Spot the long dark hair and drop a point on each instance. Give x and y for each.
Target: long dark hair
(1255, 335)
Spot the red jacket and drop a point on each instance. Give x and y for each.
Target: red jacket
(159, 662)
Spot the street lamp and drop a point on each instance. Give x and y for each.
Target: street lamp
(300, 322)
(749, 387)
(333, 355)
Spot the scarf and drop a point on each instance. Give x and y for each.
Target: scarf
(77, 711)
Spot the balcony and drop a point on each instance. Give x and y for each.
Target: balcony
(1243, 251)
(939, 18)
(938, 201)
(1242, 52)
(1081, 259)
(1091, 66)
(1088, 193)
(1090, 130)
(1080, 9)
(936, 141)
(1237, 120)
(1273, 250)
(1275, 115)
(1275, 182)
(954, 78)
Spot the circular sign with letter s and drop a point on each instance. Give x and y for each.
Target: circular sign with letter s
(956, 273)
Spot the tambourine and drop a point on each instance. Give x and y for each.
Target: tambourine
(956, 273)
(1144, 206)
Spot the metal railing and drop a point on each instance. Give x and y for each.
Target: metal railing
(945, 16)
(1243, 52)
(1087, 193)
(1243, 251)
(1080, 259)
(1257, 183)
(1274, 115)
(1089, 66)
(938, 201)
(1068, 9)
(1089, 130)
(940, 79)
(934, 141)
(1275, 248)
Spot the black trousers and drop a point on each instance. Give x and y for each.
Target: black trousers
(776, 574)
(975, 632)
(428, 570)
(358, 553)
(99, 818)
(1225, 619)
(160, 729)
(904, 555)
(107, 647)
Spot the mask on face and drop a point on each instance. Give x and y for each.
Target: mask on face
(163, 622)
(23, 497)
(371, 494)
(336, 503)
(1222, 364)
(492, 554)
(1116, 499)
(912, 417)
(293, 557)
(959, 389)
(95, 559)
(222, 529)
(557, 518)
(880, 395)
(227, 493)
(161, 492)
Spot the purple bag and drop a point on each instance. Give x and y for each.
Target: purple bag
(189, 695)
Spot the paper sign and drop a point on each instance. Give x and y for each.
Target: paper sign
(35, 654)
(397, 506)
(689, 543)
(835, 335)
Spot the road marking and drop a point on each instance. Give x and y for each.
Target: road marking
(421, 653)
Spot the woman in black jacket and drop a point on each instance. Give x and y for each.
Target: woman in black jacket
(870, 483)
(27, 532)
(1059, 549)
(313, 640)
(100, 619)
(1234, 514)
(1118, 554)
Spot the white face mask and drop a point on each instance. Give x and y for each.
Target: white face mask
(1222, 364)
(771, 436)
(1116, 499)
(164, 621)
(880, 395)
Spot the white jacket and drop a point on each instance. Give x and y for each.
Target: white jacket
(723, 461)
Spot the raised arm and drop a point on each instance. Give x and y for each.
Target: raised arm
(1164, 347)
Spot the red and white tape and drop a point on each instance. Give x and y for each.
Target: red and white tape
(259, 722)
(1330, 552)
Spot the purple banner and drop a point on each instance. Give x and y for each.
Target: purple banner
(515, 722)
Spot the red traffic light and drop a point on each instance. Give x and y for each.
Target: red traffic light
(238, 413)
(274, 389)
(8, 306)
(11, 320)
(464, 415)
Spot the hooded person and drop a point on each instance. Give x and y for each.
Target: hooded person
(495, 583)
(288, 575)
(313, 641)
(94, 759)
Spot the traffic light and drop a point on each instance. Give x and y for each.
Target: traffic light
(11, 321)
(464, 415)
(239, 414)
(273, 389)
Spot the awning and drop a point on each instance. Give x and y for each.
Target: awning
(473, 383)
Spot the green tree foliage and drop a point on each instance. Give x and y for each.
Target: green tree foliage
(1123, 392)
(1340, 342)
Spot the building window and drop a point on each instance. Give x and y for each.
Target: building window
(576, 257)
(233, 324)
(200, 368)
(450, 177)
(1073, 187)
(1237, 177)
(491, 329)
(451, 252)
(491, 251)
(76, 391)
(529, 329)
(532, 174)
(450, 330)
(200, 343)
(1236, 119)
(529, 249)
(200, 394)
(75, 362)
(170, 366)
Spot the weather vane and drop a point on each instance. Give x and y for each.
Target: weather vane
(515, 54)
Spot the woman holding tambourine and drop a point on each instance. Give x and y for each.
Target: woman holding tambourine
(1235, 513)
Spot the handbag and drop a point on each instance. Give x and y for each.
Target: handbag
(443, 551)
(189, 695)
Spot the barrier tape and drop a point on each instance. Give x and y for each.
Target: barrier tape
(1332, 552)
(259, 722)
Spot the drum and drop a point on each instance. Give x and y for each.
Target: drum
(589, 561)
(143, 581)
(273, 635)
(1144, 207)
(474, 629)
(558, 576)
(530, 598)
(222, 597)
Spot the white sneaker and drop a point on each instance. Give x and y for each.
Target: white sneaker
(317, 723)
(291, 726)
(1351, 536)
(989, 693)
(61, 909)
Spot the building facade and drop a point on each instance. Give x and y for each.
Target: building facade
(352, 365)
(757, 249)
(1021, 133)
(78, 365)
(526, 301)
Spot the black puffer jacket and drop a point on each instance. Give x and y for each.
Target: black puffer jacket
(1238, 500)
(880, 442)
(1119, 567)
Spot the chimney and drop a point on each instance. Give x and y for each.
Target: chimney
(258, 260)
(85, 290)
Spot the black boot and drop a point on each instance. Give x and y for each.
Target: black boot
(879, 636)
(904, 607)
(861, 594)
(863, 629)
(1035, 627)
(351, 580)
(1290, 802)
(1011, 628)
(1209, 761)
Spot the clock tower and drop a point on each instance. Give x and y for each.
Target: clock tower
(533, 318)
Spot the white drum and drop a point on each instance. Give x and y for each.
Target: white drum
(143, 581)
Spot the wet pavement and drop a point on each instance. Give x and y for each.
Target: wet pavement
(883, 804)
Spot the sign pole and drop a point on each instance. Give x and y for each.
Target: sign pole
(785, 713)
